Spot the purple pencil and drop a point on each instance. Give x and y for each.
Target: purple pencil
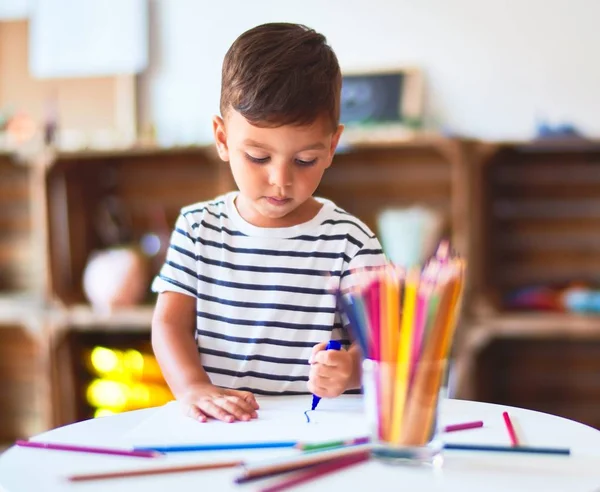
(317, 471)
(88, 449)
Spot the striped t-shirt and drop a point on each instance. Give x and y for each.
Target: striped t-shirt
(263, 295)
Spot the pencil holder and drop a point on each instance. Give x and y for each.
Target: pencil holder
(402, 404)
(404, 323)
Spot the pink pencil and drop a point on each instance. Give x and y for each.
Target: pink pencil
(420, 320)
(514, 441)
(88, 449)
(318, 471)
(465, 426)
(374, 307)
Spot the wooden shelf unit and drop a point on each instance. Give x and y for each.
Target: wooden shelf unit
(539, 216)
(536, 218)
(487, 191)
(24, 381)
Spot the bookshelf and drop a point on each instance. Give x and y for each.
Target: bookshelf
(535, 226)
(24, 384)
(49, 208)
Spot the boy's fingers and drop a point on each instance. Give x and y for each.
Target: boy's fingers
(319, 347)
(242, 404)
(209, 407)
(194, 412)
(250, 398)
(322, 371)
(244, 395)
(232, 406)
(317, 388)
(329, 357)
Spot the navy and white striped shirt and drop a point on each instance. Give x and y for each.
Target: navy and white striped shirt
(263, 294)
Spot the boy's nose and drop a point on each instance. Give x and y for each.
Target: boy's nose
(280, 176)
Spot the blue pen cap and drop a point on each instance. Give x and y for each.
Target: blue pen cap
(334, 345)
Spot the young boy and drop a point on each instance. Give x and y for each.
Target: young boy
(245, 304)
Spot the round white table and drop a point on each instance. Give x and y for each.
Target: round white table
(28, 470)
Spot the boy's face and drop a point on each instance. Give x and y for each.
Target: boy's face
(277, 170)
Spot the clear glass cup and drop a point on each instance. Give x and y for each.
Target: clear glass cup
(402, 405)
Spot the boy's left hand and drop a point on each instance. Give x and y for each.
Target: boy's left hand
(331, 371)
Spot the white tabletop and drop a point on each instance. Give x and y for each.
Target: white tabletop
(26, 469)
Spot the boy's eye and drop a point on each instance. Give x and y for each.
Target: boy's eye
(257, 160)
(300, 162)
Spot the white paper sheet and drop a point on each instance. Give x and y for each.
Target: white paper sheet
(279, 419)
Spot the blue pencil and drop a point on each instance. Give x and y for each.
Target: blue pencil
(507, 449)
(218, 446)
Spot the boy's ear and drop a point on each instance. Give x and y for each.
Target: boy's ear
(336, 138)
(220, 137)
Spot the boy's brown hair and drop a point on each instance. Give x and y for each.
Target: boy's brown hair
(280, 74)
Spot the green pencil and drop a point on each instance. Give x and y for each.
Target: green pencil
(317, 446)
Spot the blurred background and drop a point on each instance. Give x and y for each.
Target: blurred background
(476, 121)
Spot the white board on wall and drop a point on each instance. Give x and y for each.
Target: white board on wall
(14, 9)
(88, 38)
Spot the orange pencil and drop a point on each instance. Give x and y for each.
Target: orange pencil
(153, 471)
(390, 327)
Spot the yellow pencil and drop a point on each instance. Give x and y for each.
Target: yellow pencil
(404, 352)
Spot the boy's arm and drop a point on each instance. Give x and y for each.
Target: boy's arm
(173, 327)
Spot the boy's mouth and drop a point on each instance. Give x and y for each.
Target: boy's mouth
(273, 200)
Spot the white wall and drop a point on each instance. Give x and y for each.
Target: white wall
(493, 67)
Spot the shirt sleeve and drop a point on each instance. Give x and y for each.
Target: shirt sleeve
(369, 257)
(178, 273)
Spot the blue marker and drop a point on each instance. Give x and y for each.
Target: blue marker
(332, 345)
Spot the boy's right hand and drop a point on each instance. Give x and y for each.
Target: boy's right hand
(205, 400)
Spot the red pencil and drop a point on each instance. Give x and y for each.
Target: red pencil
(88, 449)
(318, 471)
(511, 430)
(465, 426)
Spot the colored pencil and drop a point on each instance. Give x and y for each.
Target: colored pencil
(404, 354)
(375, 317)
(421, 407)
(218, 446)
(348, 306)
(317, 471)
(465, 426)
(514, 441)
(364, 440)
(135, 453)
(271, 468)
(153, 471)
(407, 330)
(332, 444)
(507, 449)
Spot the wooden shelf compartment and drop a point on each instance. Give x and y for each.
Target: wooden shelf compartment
(538, 217)
(25, 402)
(367, 179)
(72, 374)
(150, 187)
(22, 269)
